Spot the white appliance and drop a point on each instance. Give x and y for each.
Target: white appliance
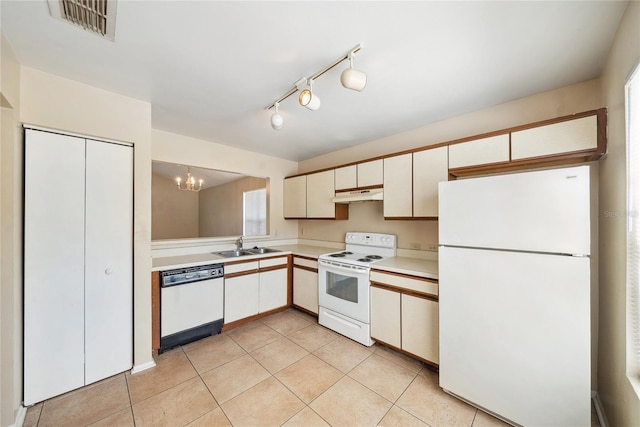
(344, 286)
(514, 281)
(191, 304)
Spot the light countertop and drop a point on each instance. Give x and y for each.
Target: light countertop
(412, 266)
(405, 265)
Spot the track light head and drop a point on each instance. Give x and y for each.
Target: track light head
(308, 99)
(353, 79)
(276, 119)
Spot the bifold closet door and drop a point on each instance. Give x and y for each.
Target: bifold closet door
(108, 260)
(53, 264)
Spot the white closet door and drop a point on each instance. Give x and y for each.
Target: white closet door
(108, 262)
(53, 265)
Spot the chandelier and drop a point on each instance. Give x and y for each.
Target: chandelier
(190, 183)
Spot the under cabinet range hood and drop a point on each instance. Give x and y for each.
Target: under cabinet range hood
(358, 196)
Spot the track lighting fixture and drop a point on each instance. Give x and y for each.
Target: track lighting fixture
(350, 79)
(276, 119)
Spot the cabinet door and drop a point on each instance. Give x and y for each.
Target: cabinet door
(273, 290)
(398, 177)
(108, 260)
(429, 168)
(295, 197)
(346, 177)
(564, 137)
(241, 297)
(320, 191)
(494, 149)
(385, 316)
(305, 289)
(53, 265)
(370, 173)
(420, 327)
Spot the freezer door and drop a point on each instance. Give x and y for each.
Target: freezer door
(515, 334)
(541, 211)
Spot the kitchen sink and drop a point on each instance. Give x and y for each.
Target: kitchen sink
(262, 250)
(233, 253)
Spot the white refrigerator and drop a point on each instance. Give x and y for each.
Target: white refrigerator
(514, 282)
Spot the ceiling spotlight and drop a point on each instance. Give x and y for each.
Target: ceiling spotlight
(308, 98)
(353, 79)
(276, 119)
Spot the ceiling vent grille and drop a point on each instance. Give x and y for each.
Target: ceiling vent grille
(96, 16)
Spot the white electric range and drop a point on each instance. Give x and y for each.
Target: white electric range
(343, 283)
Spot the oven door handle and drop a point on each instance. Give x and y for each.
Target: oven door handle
(334, 266)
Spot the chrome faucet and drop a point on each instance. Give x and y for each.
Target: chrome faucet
(239, 244)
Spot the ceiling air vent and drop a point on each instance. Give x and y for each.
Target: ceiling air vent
(96, 16)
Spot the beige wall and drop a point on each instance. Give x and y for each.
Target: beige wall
(225, 219)
(10, 237)
(174, 213)
(170, 147)
(560, 102)
(620, 401)
(57, 103)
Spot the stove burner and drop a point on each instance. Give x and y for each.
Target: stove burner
(364, 259)
(340, 255)
(347, 253)
(374, 257)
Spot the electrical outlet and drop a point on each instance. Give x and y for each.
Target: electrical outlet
(415, 245)
(433, 248)
(302, 231)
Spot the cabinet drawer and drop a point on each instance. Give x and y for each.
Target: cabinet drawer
(563, 137)
(412, 283)
(303, 262)
(270, 262)
(239, 268)
(479, 152)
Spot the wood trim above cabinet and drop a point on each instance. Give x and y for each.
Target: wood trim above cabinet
(303, 267)
(367, 187)
(404, 291)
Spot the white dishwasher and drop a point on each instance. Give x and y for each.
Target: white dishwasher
(191, 304)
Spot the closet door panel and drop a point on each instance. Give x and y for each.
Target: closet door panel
(53, 265)
(108, 261)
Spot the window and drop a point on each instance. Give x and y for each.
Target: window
(255, 213)
(633, 222)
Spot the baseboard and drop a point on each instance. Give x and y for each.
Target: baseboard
(602, 417)
(20, 416)
(143, 367)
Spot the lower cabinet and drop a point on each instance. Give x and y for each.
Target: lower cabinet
(254, 287)
(404, 314)
(305, 283)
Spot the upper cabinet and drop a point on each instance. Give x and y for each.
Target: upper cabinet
(346, 177)
(564, 137)
(429, 168)
(295, 197)
(482, 151)
(320, 192)
(410, 179)
(310, 196)
(370, 174)
(398, 189)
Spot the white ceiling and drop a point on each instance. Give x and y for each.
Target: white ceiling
(209, 68)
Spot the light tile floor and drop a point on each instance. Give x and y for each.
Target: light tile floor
(284, 369)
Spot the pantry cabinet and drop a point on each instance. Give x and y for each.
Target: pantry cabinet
(305, 283)
(398, 189)
(78, 270)
(404, 314)
(429, 168)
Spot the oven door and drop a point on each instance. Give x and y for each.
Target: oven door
(344, 289)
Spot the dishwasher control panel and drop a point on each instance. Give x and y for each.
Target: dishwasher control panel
(182, 276)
